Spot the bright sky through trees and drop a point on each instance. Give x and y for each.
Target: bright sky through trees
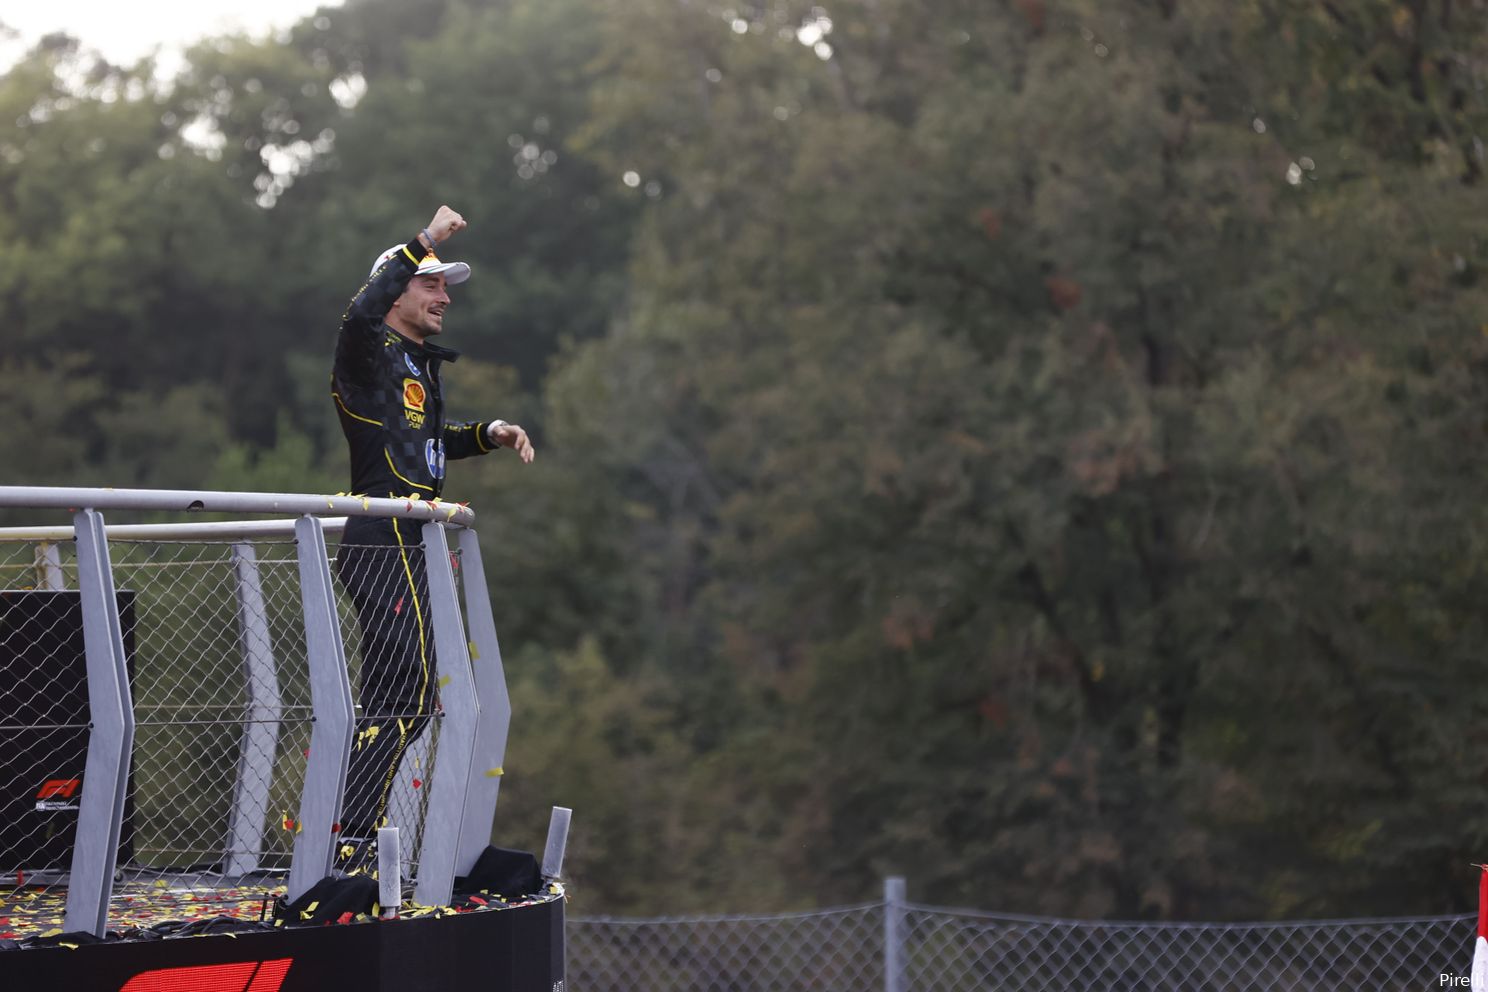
(126, 32)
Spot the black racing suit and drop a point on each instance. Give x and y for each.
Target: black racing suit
(388, 397)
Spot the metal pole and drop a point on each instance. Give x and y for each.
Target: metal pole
(894, 898)
(389, 880)
(261, 732)
(330, 704)
(495, 706)
(449, 786)
(188, 500)
(552, 863)
(226, 530)
(95, 852)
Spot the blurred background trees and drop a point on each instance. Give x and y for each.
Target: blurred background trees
(1028, 445)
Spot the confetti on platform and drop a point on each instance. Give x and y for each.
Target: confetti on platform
(174, 903)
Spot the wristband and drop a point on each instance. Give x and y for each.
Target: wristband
(491, 429)
(433, 241)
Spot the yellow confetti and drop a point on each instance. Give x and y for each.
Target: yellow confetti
(474, 652)
(496, 772)
(444, 681)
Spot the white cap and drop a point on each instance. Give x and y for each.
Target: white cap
(453, 272)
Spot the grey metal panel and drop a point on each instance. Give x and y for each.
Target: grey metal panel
(449, 783)
(245, 824)
(49, 562)
(62, 497)
(111, 715)
(495, 706)
(330, 702)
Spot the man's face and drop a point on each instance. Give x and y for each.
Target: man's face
(421, 307)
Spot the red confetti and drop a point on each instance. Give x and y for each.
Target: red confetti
(418, 783)
(344, 917)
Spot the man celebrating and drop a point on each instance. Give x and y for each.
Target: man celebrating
(385, 383)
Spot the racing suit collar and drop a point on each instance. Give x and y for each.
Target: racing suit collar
(430, 350)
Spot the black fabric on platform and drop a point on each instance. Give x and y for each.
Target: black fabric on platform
(78, 937)
(502, 872)
(332, 897)
(195, 928)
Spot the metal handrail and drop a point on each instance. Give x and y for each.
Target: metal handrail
(210, 530)
(191, 501)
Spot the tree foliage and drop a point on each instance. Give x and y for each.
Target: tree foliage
(1030, 446)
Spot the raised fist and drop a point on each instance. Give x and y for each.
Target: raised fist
(445, 223)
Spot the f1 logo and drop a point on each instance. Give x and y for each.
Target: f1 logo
(245, 976)
(58, 788)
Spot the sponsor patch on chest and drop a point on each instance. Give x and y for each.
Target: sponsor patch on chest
(414, 395)
(413, 402)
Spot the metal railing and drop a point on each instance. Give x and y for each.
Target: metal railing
(897, 946)
(207, 670)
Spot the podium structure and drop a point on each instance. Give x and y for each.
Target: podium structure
(176, 722)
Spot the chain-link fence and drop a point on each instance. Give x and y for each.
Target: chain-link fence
(214, 636)
(43, 711)
(899, 947)
(239, 706)
(221, 702)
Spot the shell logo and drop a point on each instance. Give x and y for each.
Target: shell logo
(413, 395)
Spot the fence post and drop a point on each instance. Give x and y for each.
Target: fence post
(261, 731)
(111, 713)
(894, 934)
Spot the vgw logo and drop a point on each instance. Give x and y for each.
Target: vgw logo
(57, 794)
(244, 976)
